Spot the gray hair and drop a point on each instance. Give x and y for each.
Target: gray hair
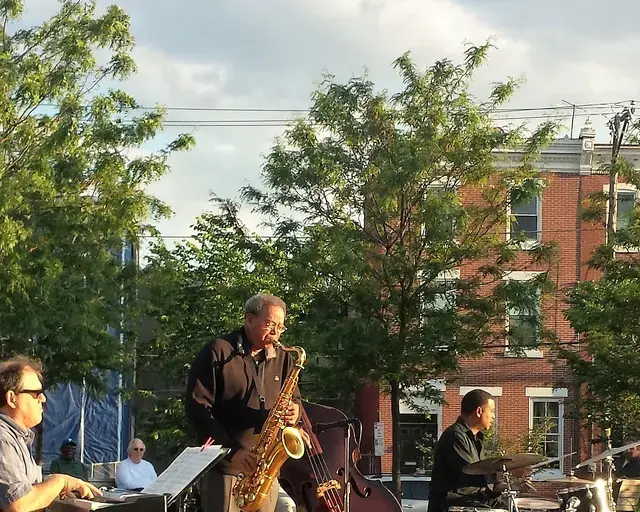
(133, 441)
(255, 304)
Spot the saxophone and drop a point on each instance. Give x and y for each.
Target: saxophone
(277, 442)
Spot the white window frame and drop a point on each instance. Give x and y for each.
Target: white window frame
(533, 353)
(550, 395)
(528, 245)
(621, 187)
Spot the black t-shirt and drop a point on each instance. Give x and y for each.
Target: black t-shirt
(457, 447)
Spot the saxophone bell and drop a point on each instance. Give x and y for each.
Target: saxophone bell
(292, 442)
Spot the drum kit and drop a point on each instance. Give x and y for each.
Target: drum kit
(580, 495)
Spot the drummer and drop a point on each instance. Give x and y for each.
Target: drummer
(632, 467)
(459, 445)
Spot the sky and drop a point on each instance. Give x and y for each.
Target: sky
(271, 54)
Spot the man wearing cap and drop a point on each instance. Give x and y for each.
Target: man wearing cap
(66, 463)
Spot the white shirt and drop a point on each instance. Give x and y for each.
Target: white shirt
(130, 475)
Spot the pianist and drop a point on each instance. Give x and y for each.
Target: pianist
(21, 485)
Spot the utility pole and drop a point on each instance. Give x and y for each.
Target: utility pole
(618, 127)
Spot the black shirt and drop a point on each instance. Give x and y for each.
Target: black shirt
(632, 468)
(457, 447)
(230, 392)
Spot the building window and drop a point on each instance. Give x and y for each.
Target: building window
(418, 434)
(522, 322)
(439, 305)
(523, 328)
(626, 203)
(525, 222)
(442, 204)
(545, 424)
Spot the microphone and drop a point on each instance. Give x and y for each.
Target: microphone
(321, 427)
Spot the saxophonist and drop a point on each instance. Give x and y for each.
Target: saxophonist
(233, 383)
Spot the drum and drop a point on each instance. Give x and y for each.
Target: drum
(536, 504)
(584, 498)
(475, 509)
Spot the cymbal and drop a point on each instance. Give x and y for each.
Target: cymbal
(567, 480)
(551, 461)
(607, 453)
(494, 465)
(537, 504)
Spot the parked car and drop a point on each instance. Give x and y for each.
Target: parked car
(415, 491)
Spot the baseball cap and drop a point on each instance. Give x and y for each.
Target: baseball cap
(68, 442)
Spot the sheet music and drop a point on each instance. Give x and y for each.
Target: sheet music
(185, 469)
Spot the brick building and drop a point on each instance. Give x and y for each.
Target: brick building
(526, 388)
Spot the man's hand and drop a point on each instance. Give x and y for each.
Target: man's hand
(80, 488)
(524, 472)
(244, 460)
(292, 415)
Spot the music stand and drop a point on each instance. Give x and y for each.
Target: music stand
(185, 470)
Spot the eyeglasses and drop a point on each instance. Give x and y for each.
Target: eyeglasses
(35, 393)
(274, 326)
(138, 449)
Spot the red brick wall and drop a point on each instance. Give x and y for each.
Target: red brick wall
(575, 242)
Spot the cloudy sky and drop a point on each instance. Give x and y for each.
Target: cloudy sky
(269, 54)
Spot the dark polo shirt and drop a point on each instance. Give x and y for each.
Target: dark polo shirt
(632, 468)
(230, 392)
(18, 469)
(457, 447)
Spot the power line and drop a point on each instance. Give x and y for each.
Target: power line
(283, 123)
(306, 110)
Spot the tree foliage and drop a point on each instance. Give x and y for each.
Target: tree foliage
(72, 191)
(388, 196)
(195, 291)
(604, 314)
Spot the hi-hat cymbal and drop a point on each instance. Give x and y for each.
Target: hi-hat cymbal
(607, 453)
(494, 465)
(567, 480)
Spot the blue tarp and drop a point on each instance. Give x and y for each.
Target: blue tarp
(100, 426)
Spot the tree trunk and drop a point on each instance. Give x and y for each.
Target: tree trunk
(395, 438)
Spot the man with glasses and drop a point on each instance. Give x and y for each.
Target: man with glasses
(21, 408)
(233, 383)
(135, 473)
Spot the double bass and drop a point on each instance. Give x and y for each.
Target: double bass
(316, 481)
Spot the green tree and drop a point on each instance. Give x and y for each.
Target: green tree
(604, 314)
(193, 292)
(387, 196)
(72, 193)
